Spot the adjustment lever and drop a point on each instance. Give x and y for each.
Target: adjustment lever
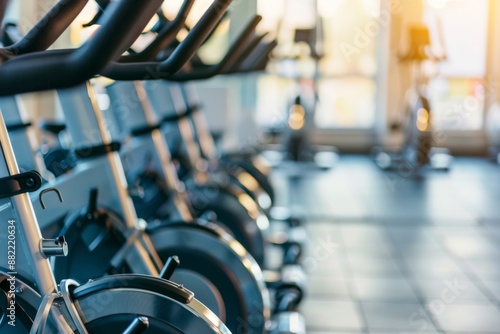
(20, 183)
(170, 266)
(138, 326)
(54, 247)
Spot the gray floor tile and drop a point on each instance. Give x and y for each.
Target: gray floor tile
(493, 233)
(374, 249)
(466, 318)
(493, 287)
(331, 332)
(362, 234)
(398, 236)
(317, 231)
(471, 247)
(399, 332)
(383, 289)
(395, 275)
(331, 315)
(413, 235)
(423, 251)
(333, 266)
(485, 269)
(452, 290)
(327, 287)
(441, 268)
(372, 265)
(403, 317)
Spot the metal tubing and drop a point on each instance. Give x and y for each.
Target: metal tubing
(44, 277)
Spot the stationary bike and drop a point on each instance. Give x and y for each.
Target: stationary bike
(41, 305)
(233, 57)
(89, 235)
(69, 100)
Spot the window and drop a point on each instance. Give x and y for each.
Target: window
(457, 94)
(347, 72)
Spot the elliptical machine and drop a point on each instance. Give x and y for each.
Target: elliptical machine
(418, 149)
(295, 151)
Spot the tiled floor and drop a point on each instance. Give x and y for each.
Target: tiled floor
(395, 254)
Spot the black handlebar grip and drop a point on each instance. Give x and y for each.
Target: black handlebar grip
(250, 48)
(239, 49)
(196, 37)
(232, 56)
(184, 51)
(258, 59)
(45, 32)
(65, 68)
(111, 40)
(165, 36)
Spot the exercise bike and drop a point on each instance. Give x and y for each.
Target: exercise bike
(41, 305)
(228, 200)
(94, 231)
(91, 208)
(117, 74)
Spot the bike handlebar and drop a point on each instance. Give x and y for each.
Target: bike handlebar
(182, 54)
(234, 54)
(153, 71)
(49, 28)
(165, 36)
(65, 68)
